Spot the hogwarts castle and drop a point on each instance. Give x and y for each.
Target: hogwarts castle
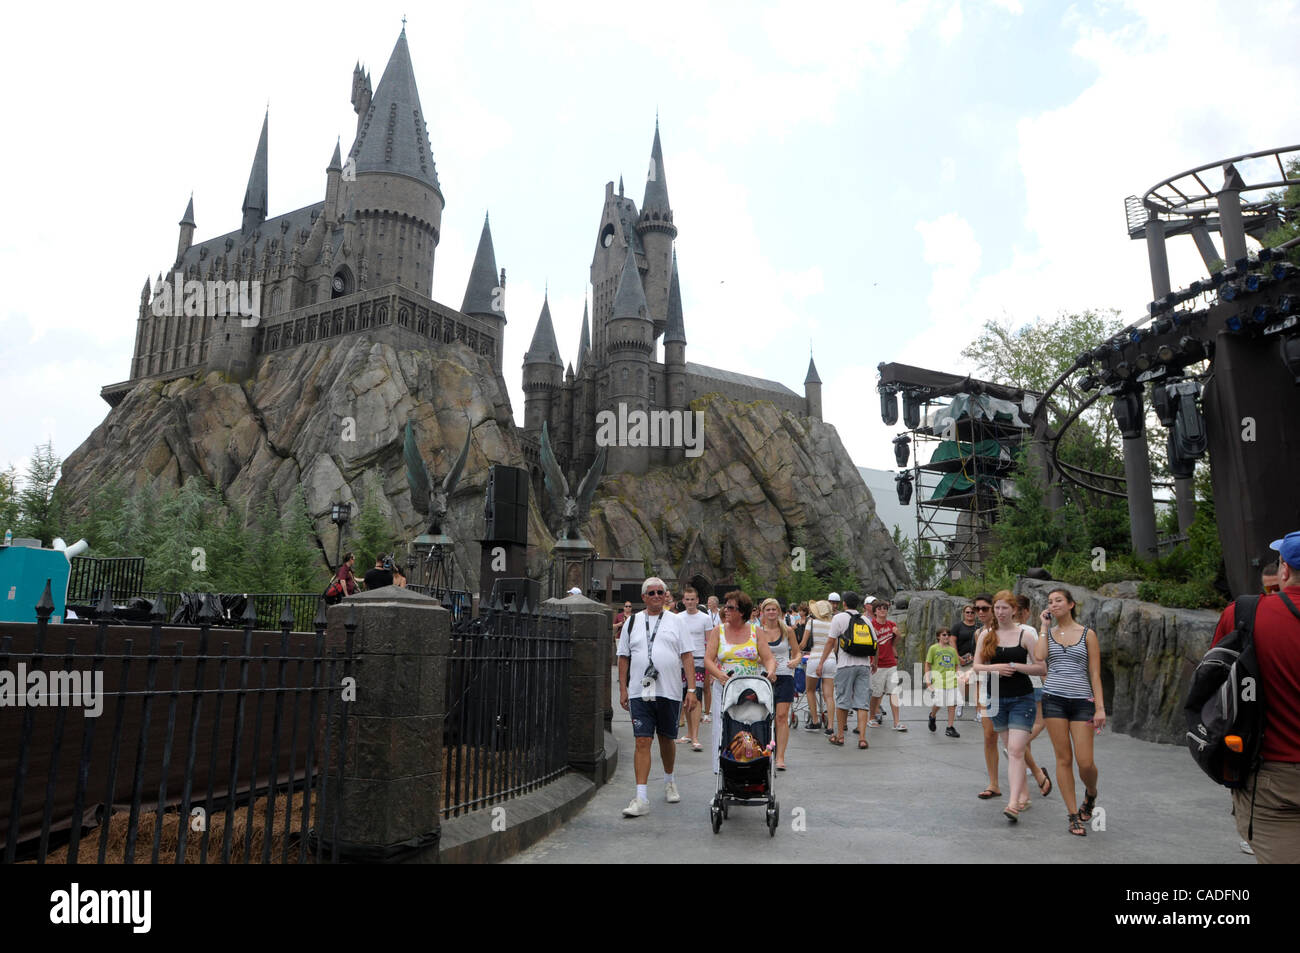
(361, 262)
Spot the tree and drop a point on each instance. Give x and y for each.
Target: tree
(374, 533)
(10, 510)
(39, 500)
(1288, 201)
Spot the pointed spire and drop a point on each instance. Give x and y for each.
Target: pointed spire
(629, 299)
(544, 350)
(255, 204)
(675, 329)
(144, 294)
(656, 183)
(812, 377)
(620, 186)
(584, 342)
(396, 139)
(188, 218)
(482, 294)
(336, 160)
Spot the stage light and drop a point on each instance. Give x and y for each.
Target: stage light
(1136, 336)
(911, 411)
(1189, 425)
(1122, 370)
(902, 446)
(1234, 323)
(903, 484)
(1242, 263)
(1142, 362)
(1229, 292)
(1214, 280)
(1265, 255)
(1127, 409)
(1089, 382)
(1162, 326)
(1192, 349)
(1286, 324)
(888, 406)
(1180, 467)
(1282, 269)
(1163, 404)
(1255, 281)
(1260, 313)
(1284, 304)
(1195, 288)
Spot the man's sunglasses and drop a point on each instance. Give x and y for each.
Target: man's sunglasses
(654, 592)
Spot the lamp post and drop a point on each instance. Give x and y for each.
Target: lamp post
(340, 513)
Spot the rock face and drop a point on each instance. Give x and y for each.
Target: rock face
(323, 417)
(1148, 652)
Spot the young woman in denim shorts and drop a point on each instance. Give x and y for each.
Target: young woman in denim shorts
(1073, 706)
(1005, 650)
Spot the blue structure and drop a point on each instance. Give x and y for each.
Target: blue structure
(23, 572)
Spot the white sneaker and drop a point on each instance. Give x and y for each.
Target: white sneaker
(638, 807)
(1246, 848)
(707, 718)
(670, 793)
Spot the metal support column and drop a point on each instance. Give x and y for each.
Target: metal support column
(1205, 245)
(1156, 255)
(1185, 499)
(1230, 224)
(1141, 505)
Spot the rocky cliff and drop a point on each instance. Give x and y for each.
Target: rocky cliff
(1148, 652)
(323, 416)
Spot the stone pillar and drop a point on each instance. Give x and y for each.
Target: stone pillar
(391, 784)
(588, 684)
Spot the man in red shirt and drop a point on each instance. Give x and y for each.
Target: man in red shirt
(1276, 787)
(884, 667)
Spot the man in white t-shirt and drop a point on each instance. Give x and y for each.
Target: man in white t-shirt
(697, 628)
(653, 651)
(852, 674)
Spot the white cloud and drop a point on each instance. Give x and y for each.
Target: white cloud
(950, 25)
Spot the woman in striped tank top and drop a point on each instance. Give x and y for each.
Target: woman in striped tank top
(1073, 706)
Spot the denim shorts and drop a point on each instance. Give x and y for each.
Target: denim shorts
(658, 716)
(1016, 713)
(1071, 709)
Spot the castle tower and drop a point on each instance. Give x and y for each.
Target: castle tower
(542, 373)
(657, 231)
(674, 356)
(255, 204)
(333, 180)
(187, 231)
(139, 366)
(584, 341)
(485, 293)
(361, 94)
(630, 346)
(812, 390)
(397, 199)
(615, 235)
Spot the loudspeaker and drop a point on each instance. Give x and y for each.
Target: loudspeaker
(512, 591)
(630, 592)
(506, 511)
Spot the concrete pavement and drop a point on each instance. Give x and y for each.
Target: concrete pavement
(909, 798)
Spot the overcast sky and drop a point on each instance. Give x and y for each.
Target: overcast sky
(873, 180)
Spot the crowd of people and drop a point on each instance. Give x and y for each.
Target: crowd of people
(840, 655)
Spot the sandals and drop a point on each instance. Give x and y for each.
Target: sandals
(1011, 814)
(1077, 827)
(862, 745)
(1085, 809)
(988, 794)
(1026, 804)
(836, 741)
(1046, 781)
(696, 746)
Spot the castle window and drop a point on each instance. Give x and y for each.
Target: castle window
(653, 388)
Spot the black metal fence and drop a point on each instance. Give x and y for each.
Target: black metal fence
(89, 576)
(184, 608)
(197, 753)
(458, 601)
(506, 730)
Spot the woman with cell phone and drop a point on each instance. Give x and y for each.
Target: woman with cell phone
(1073, 706)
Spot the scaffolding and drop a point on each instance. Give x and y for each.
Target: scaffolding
(969, 444)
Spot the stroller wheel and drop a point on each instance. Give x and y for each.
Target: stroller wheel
(715, 817)
(773, 818)
(794, 720)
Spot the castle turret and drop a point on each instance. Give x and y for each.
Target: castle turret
(485, 292)
(675, 346)
(657, 231)
(333, 180)
(812, 391)
(255, 204)
(187, 230)
(361, 94)
(396, 194)
(542, 373)
(630, 346)
(584, 341)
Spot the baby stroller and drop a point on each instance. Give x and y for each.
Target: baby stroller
(745, 759)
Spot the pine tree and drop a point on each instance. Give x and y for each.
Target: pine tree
(39, 499)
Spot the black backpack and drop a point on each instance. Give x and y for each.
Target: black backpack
(1225, 704)
(859, 638)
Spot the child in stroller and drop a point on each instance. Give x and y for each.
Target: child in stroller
(745, 755)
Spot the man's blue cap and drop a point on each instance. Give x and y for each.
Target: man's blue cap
(1288, 547)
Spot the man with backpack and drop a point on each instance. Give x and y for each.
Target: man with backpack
(1267, 803)
(854, 642)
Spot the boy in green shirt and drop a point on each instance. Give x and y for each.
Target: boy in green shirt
(941, 676)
